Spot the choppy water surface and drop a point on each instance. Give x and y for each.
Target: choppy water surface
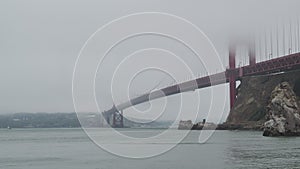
(72, 149)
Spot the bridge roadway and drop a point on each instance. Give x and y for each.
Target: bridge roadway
(281, 64)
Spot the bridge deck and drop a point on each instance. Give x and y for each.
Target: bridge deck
(285, 63)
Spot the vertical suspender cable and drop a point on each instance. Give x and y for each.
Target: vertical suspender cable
(298, 29)
(256, 43)
(259, 46)
(246, 54)
(283, 40)
(277, 40)
(271, 44)
(266, 47)
(295, 36)
(291, 39)
(241, 55)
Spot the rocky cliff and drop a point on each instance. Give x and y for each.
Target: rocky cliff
(253, 96)
(283, 113)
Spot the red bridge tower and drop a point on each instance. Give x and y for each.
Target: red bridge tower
(232, 75)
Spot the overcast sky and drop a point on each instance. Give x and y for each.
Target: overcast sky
(40, 41)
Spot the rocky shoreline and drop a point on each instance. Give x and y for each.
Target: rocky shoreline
(264, 103)
(188, 125)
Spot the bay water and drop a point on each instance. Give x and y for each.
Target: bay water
(72, 149)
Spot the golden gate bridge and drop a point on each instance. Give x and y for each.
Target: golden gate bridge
(288, 44)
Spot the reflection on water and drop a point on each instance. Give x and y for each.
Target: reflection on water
(71, 148)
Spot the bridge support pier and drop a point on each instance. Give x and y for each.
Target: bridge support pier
(118, 119)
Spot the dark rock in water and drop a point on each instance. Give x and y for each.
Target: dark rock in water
(198, 126)
(283, 113)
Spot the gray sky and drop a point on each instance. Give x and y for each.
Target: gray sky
(40, 41)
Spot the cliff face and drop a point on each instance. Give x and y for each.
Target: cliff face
(283, 113)
(253, 96)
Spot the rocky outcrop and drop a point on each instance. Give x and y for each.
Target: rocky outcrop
(253, 95)
(204, 126)
(188, 125)
(283, 113)
(185, 125)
